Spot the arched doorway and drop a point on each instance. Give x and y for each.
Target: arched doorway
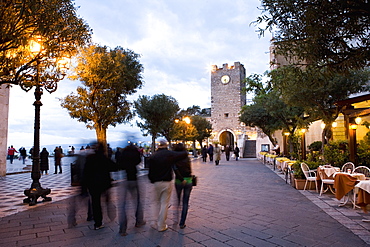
(227, 138)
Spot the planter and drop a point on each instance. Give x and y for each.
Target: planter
(299, 184)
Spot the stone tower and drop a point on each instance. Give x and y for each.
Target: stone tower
(227, 100)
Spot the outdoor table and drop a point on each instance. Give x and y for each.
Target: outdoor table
(363, 194)
(328, 171)
(343, 183)
(280, 161)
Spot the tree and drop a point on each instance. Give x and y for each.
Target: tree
(53, 21)
(203, 127)
(323, 33)
(316, 91)
(157, 114)
(108, 76)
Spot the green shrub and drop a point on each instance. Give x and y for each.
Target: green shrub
(336, 153)
(315, 146)
(363, 152)
(297, 171)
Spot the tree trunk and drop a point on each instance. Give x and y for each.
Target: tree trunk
(153, 144)
(101, 135)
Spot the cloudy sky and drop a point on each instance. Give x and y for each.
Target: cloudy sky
(178, 42)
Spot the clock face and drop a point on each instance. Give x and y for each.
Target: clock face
(225, 79)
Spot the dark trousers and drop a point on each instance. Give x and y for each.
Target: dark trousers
(185, 190)
(210, 157)
(131, 187)
(227, 156)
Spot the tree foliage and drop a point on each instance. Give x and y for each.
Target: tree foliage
(325, 33)
(108, 76)
(203, 127)
(55, 22)
(157, 114)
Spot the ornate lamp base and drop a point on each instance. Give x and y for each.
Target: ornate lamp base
(34, 193)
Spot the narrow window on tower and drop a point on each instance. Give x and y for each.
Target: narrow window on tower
(226, 115)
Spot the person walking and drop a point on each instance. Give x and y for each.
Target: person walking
(183, 184)
(44, 161)
(11, 152)
(236, 152)
(160, 174)
(58, 159)
(210, 152)
(98, 181)
(204, 153)
(23, 154)
(227, 152)
(128, 160)
(218, 154)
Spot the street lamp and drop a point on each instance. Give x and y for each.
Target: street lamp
(45, 71)
(303, 143)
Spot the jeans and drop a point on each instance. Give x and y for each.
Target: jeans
(163, 191)
(131, 187)
(186, 189)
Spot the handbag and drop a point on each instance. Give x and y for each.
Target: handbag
(194, 180)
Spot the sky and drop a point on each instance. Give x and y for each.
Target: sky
(178, 41)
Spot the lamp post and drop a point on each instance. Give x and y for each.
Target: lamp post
(43, 72)
(285, 144)
(303, 143)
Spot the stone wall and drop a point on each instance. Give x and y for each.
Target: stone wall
(4, 110)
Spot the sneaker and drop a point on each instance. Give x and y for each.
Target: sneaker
(98, 227)
(182, 226)
(164, 229)
(140, 224)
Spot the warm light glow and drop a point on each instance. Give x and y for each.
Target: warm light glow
(353, 126)
(35, 46)
(334, 124)
(322, 125)
(177, 120)
(303, 131)
(358, 120)
(286, 133)
(187, 120)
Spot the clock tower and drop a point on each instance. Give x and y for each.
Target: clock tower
(227, 100)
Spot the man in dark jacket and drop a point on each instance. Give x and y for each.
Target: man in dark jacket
(128, 159)
(160, 174)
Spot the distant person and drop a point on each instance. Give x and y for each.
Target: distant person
(236, 152)
(183, 184)
(227, 152)
(23, 154)
(110, 151)
(58, 159)
(210, 152)
(204, 153)
(160, 174)
(11, 152)
(98, 182)
(73, 150)
(44, 161)
(218, 153)
(276, 149)
(128, 160)
(82, 148)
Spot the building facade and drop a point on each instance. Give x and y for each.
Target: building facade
(227, 99)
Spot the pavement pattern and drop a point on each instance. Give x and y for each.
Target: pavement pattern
(238, 203)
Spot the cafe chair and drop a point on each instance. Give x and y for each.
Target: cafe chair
(324, 180)
(348, 165)
(362, 169)
(309, 174)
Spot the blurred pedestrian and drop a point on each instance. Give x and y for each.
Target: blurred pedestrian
(98, 181)
(110, 151)
(82, 198)
(23, 154)
(218, 154)
(183, 184)
(11, 152)
(236, 152)
(227, 152)
(210, 152)
(160, 174)
(204, 153)
(44, 161)
(128, 160)
(58, 159)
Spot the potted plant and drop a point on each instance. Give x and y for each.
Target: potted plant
(298, 178)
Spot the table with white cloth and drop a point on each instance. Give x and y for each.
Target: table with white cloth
(363, 198)
(328, 171)
(344, 184)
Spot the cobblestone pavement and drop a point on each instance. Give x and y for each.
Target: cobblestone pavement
(238, 203)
